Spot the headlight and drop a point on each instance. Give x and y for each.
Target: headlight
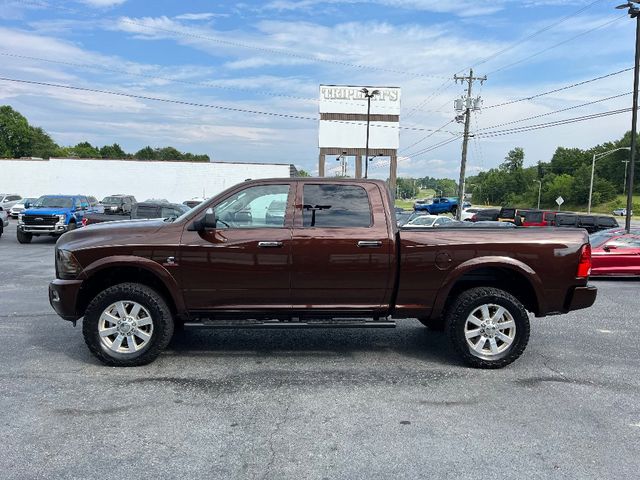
(62, 218)
(114, 207)
(67, 266)
(20, 217)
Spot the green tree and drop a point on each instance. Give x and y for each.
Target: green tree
(84, 150)
(303, 173)
(146, 153)
(15, 134)
(407, 188)
(168, 153)
(513, 161)
(112, 151)
(41, 144)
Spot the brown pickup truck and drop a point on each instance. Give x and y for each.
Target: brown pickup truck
(333, 258)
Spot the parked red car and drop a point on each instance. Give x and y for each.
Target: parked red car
(538, 218)
(615, 252)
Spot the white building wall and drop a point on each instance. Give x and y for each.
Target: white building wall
(175, 181)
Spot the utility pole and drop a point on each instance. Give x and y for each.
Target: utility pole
(634, 13)
(467, 104)
(624, 184)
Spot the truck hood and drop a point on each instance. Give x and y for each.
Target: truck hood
(46, 211)
(124, 232)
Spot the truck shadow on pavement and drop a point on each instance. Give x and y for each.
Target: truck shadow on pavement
(406, 340)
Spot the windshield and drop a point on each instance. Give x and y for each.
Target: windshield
(112, 200)
(598, 239)
(53, 202)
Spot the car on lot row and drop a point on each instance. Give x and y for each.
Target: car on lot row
(51, 215)
(118, 203)
(433, 221)
(20, 206)
(194, 202)
(615, 252)
(8, 200)
(141, 210)
(4, 220)
(622, 212)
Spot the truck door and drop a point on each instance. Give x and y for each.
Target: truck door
(342, 248)
(244, 263)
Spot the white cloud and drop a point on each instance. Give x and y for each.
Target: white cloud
(200, 16)
(102, 3)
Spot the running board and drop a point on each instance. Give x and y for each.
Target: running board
(336, 323)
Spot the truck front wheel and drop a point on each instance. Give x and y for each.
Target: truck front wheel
(127, 325)
(488, 327)
(24, 237)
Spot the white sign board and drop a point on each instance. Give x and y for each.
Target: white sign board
(559, 201)
(350, 99)
(346, 127)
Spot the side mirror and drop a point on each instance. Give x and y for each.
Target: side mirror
(27, 205)
(208, 222)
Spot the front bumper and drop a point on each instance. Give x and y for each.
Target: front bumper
(581, 297)
(63, 297)
(58, 228)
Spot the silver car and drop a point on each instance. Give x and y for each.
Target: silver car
(8, 200)
(4, 220)
(21, 206)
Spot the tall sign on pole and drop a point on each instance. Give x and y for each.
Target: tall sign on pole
(361, 124)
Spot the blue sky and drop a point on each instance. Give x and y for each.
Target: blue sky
(271, 56)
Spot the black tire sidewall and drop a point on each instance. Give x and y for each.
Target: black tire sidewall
(469, 301)
(160, 315)
(24, 237)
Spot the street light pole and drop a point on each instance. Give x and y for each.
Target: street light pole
(368, 95)
(634, 12)
(539, 192)
(597, 156)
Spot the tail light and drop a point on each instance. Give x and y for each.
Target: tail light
(584, 267)
(84, 222)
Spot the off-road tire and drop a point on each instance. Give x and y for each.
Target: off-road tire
(24, 237)
(151, 300)
(457, 314)
(435, 324)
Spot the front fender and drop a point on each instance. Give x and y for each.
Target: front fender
(147, 264)
(483, 262)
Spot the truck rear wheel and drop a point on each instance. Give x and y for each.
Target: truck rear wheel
(24, 237)
(127, 325)
(488, 327)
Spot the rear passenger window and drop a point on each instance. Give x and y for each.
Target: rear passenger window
(335, 206)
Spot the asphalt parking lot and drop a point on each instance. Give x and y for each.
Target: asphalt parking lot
(315, 404)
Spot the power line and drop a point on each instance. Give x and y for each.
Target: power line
(528, 128)
(205, 105)
(434, 147)
(277, 51)
(427, 136)
(567, 87)
(535, 34)
(505, 67)
(557, 111)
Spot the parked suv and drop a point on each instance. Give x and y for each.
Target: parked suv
(118, 203)
(51, 215)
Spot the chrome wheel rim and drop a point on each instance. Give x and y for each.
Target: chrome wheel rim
(125, 327)
(489, 330)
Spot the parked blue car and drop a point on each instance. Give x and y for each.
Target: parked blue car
(52, 215)
(438, 205)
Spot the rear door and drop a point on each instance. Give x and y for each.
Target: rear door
(342, 249)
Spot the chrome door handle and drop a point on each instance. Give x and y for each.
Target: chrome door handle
(369, 243)
(270, 244)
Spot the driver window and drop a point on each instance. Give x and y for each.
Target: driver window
(254, 207)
